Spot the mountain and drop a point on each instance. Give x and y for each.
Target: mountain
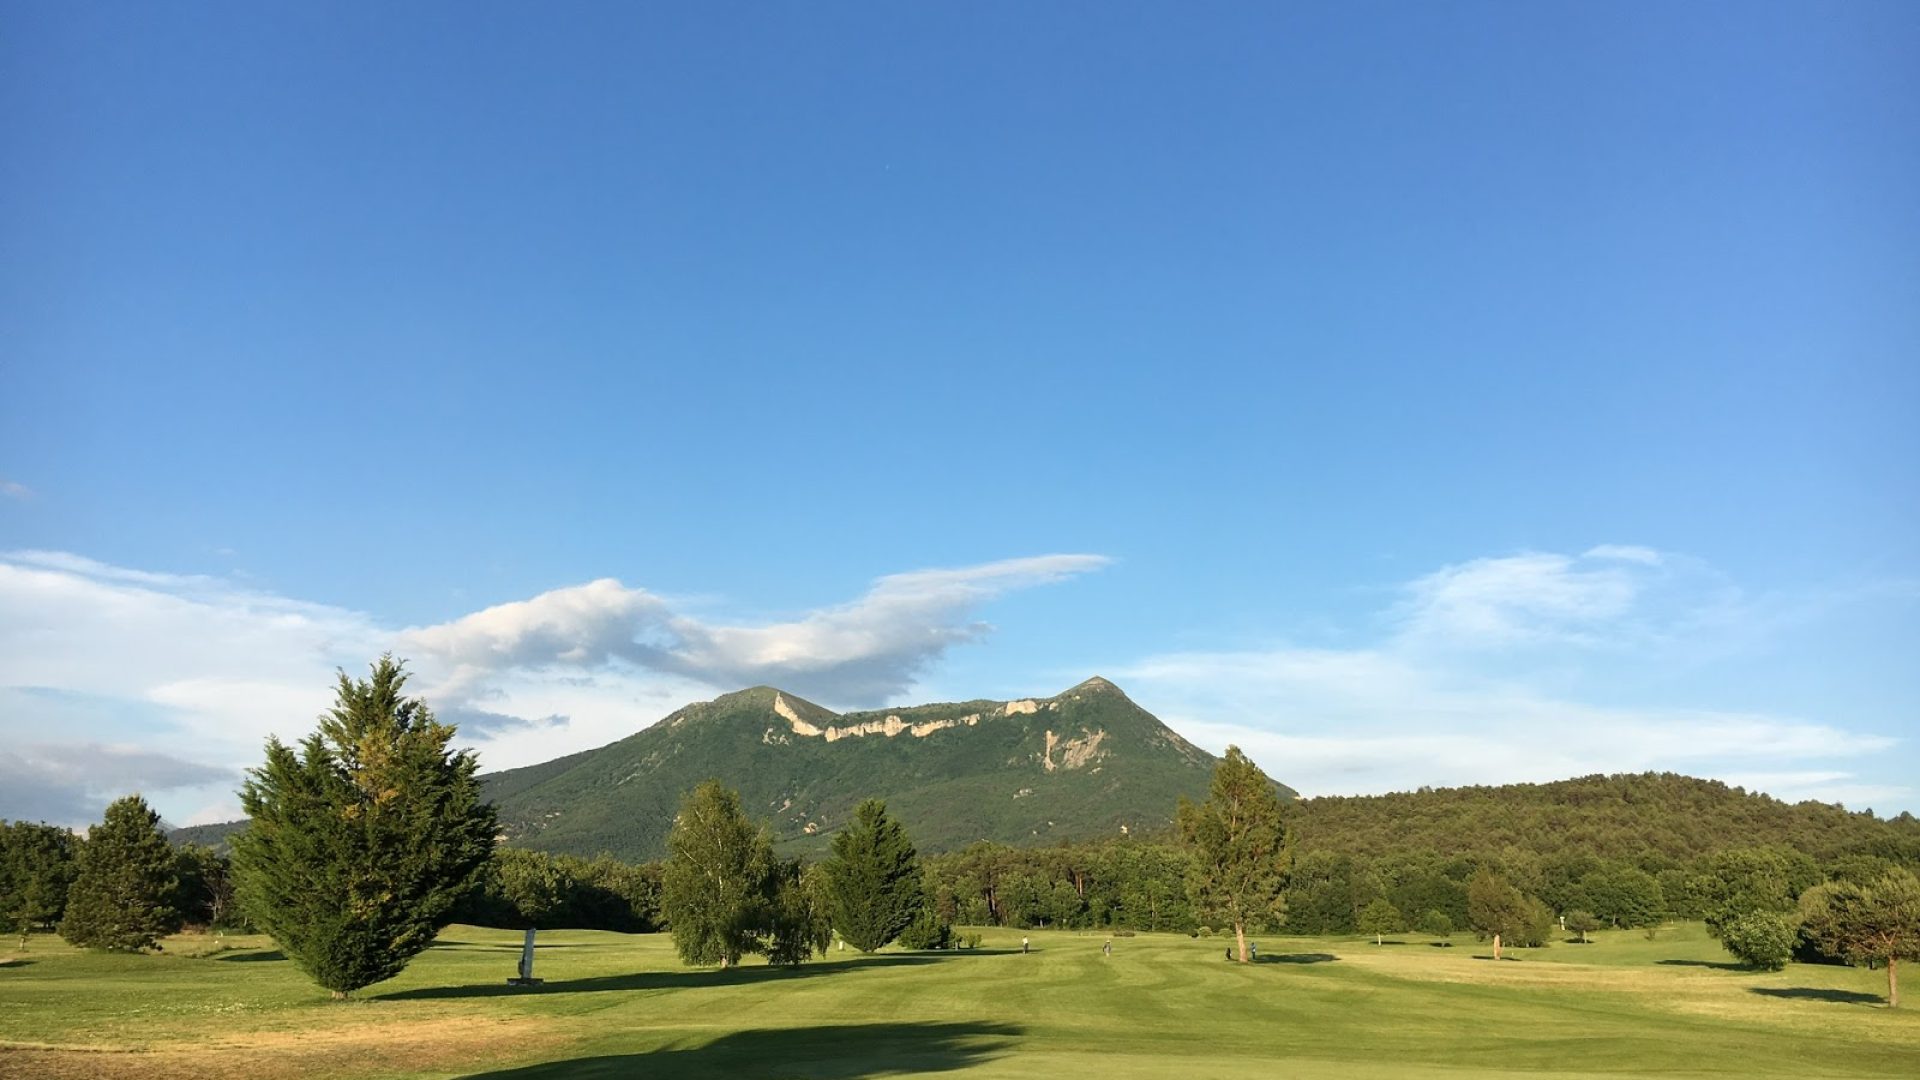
(1083, 764)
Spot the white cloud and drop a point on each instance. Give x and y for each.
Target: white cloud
(1519, 599)
(89, 650)
(1625, 553)
(1436, 702)
(13, 489)
(861, 652)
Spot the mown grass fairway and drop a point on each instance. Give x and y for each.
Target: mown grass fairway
(617, 1006)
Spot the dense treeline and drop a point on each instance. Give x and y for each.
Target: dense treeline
(40, 864)
(1134, 884)
(532, 889)
(1626, 817)
(1619, 851)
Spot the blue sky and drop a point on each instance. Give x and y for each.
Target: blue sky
(1413, 394)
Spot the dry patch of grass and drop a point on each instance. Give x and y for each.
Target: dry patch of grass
(353, 1048)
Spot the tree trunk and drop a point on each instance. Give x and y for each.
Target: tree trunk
(1496, 946)
(1379, 939)
(1893, 985)
(1240, 935)
(526, 956)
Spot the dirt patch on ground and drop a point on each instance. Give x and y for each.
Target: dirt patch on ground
(359, 1049)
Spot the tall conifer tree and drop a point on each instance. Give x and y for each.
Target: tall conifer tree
(362, 842)
(873, 879)
(123, 898)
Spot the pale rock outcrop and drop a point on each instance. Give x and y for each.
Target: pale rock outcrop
(888, 726)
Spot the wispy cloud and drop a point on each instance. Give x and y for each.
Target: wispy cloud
(1449, 693)
(1526, 598)
(14, 489)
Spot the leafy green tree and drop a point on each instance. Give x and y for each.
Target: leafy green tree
(1497, 910)
(797, 925)
(122, 899)
(524, 890)
(613, 895)
(1379, 918)
(1241, 852)
(1582, 923)
(37, 866)
(724, 893)
(363, 841)
(714, 890)
(1760, 939)
(1876, 921)
(1622, 896)
(206, 888)
(873, 879)
(1744, 881)
(1437, 924)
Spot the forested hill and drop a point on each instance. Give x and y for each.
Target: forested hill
(1628, 817)
(1086, 763)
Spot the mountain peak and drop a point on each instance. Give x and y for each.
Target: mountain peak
(1097, 685)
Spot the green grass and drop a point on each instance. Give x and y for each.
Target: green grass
(617, 1006)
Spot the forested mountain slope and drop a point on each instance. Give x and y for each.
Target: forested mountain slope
(1627, 817)
(1083, 764)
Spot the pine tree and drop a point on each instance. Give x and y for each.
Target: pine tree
(873, 879)
(1241, 852)
(122, 900)
(362, 842)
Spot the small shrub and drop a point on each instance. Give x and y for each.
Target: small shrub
(927, 931)
(1123, 933)
(1761, 940)
(971, 941)
(1205, 931)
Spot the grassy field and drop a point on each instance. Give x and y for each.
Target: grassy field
(617, 1006)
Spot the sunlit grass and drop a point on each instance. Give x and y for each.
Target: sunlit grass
(1163, 1005)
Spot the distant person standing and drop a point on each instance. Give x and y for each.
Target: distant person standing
(1108, 948)
(1253, 951)
(1023, 945)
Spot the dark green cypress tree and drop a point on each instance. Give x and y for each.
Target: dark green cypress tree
(122, 898)
(873, 880)
(362, 842)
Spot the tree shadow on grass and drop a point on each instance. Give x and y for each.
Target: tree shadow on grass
(663, 980)
(1297, 958)
(839, 1052)
(250, 957)
(1717, 965)
(1809, 993)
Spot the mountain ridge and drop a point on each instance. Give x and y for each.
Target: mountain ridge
(1083, 763)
